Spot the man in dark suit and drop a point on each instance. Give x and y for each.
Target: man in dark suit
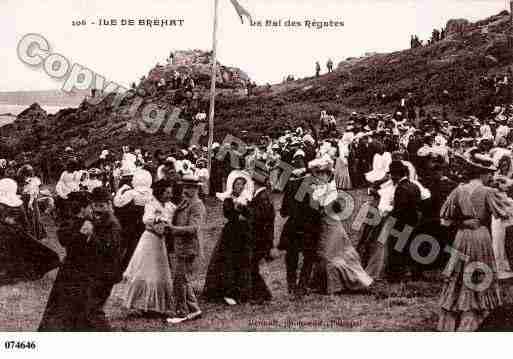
(107, 269)
(406, 204)
(300, 233)
(262, 226)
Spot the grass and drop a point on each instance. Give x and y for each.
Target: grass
(410, 306)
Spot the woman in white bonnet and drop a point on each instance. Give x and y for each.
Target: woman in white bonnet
(229, 271)
(64, 187)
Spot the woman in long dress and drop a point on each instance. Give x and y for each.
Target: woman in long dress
(22, 257)
(67, 307)
(468, 296)
(229, 271)
(339, 268)
(30, 193)
(149, 283)
(342, 178)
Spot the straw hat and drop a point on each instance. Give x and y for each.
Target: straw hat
(8, 196)
(299, 153)
(478, 160)
(321, 164)
(190, 180)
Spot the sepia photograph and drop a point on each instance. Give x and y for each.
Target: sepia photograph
(255, 166)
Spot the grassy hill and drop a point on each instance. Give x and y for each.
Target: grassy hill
(455, 64)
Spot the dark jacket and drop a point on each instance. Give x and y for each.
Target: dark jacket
(105, 245)
(406, 203)
(303, 217)
(262, 220)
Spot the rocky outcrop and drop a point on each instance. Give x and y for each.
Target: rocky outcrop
(198, 64)
(456, 27)
(33, 112)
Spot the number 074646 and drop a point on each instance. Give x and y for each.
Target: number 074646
(19, 345)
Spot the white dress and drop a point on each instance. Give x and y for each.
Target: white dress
(148, 275)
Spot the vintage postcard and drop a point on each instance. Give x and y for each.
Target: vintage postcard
(255, 166)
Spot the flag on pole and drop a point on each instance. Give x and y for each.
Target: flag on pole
(241, 11)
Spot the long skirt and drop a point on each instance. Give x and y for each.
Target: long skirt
(342, 179)
(36, 227)
(148, 276)
(229, 270)
(23, 258)
(469, 296)
(339, 268)
(67, 306)
(376, 252)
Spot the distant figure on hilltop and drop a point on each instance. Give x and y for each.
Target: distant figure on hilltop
(329, 65)
(317, 69)
(415, 42)
(435, 36)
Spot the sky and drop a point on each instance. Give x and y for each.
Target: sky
(123, 54)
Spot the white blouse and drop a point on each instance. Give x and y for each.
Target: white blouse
(154, 211)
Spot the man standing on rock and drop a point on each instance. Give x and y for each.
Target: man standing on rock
(317, 69)
(329, 65)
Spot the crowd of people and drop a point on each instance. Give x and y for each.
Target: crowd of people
(139, 219)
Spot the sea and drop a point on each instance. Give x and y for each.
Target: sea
(9, 112)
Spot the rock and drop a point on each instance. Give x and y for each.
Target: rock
(198, 63)
(456, 27)
(34, 111)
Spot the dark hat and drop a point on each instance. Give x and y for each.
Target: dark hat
(101, 194)
(397, 167)
(438, 166)
(260, 177)
(80, 198)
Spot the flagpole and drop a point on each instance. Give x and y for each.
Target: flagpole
(212, 89)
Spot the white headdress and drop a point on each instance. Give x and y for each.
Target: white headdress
(247, 193)
(8, 196)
